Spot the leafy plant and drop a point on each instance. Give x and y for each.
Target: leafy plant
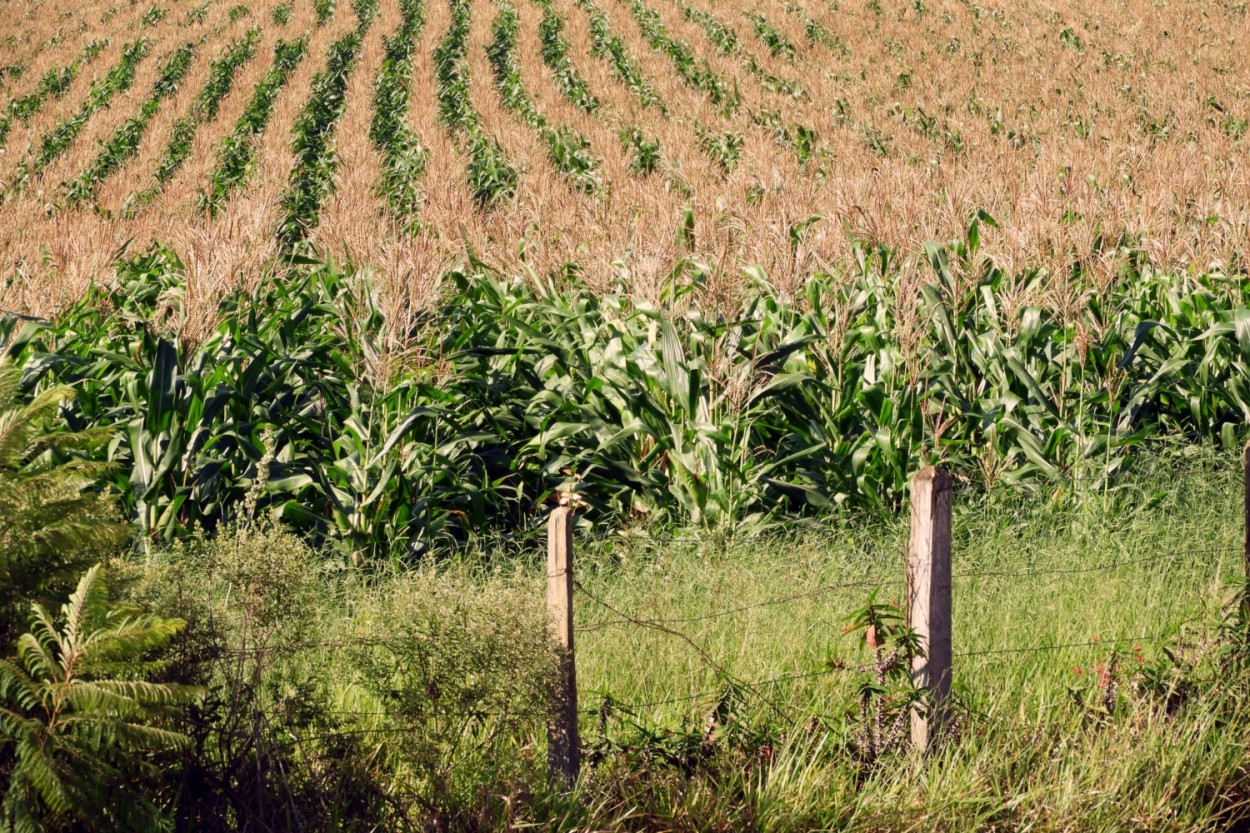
(567, 150)
(124, 143)
(79, 718)
(118, 80)
(50, 528)
(402, 154)
(607, 45)
(237, 150)
(52, 85)
(204, 110)
(555, 55)
(694, 73)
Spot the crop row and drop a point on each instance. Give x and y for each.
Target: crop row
(694, 72)
(403, 157)
(492, 178)
(725, 38)
(237, 150)
(605, 44)
(118, 80)
(124, 143)
(568, 151)
(203, 110)
(795, 403)
(776, 41)
(312, 178)
(555, 53)
(52, 85)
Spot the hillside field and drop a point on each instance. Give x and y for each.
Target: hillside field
(312, 312)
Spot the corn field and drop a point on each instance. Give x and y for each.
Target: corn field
(621, 140)
(675, 255)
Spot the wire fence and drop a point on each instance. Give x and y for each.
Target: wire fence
(668, 625)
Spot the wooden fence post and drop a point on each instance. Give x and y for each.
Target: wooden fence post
(929, 596)
(563, 744)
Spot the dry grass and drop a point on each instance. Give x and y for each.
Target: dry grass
(1073, 128)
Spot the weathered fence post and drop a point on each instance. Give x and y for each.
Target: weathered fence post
(563, 744)
(929, 596)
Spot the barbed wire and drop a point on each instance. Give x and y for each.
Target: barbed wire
(879, 583)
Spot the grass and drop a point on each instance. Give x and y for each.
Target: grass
(413, 700)
(1029, 756)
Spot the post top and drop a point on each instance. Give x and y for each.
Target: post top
(939, 477)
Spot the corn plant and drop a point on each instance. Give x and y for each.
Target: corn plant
(312, 178)
(722, 148)
(555, 53)
(118, 80)
(281, 14)
(722, 36)
(778, 44)
(235, 156)
(693, 72)
(152, 16)
(666, 414)
(324, 10)
(568, 151)
(492, 178)
(203, 110)
(403, 157)
(605, 44)
(124, 143)
(644, 156)
(52, 85)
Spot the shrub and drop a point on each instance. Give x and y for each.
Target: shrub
(78, 717)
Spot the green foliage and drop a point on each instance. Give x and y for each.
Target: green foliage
(79, 718)
(458, 663)
(204, 109)
(152, 16)
(403, 156)
(695, 73)
(776, 41)
(644, 155)
(791, 405)
(605, 44)
(568, 151)
(118, 80)
(722, 148)
(555, 52)
(722, 36)
(52, 85)
(124, 143)
(50, 529)
(324, 10)
(238, 149)
(492, 178)
(312, 137)
(281, 14)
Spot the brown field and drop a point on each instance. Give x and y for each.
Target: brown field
(1075, 129)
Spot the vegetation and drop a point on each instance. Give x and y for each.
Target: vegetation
(492, 179)
(118, 80)
(403, 156)
(124, 143)
(52, 85)
(312, 178)
(569, 152)
(604, 44)
(203, 110)
(555, 52)
(695, 73)
(655, 413)
(237, 150)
